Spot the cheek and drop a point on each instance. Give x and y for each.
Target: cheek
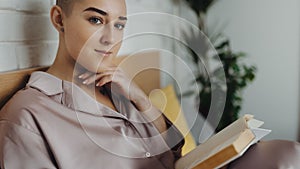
(78, 47)
(119, 38)
(81, 44)
(88, 58)
(75, 40)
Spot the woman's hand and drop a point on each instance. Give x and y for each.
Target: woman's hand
(117, 81)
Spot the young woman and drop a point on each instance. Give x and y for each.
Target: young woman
(84, 112)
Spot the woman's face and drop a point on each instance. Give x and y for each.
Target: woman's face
(93, 32)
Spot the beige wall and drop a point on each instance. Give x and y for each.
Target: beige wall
(268, 31)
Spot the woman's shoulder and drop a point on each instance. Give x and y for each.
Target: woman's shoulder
(18, 112)
(20, 105)
(22, 99)
(28, 104)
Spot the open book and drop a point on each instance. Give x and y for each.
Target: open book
(225, 146)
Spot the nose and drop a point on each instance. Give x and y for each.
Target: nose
(107, 36)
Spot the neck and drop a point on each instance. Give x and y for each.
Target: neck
(65, 67)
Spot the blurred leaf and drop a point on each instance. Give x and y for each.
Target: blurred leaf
(200, 5)
(238, 75)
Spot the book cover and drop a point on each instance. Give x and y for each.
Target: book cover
(225, 146)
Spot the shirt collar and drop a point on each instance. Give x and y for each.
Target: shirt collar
(46, 83)
(72, 95)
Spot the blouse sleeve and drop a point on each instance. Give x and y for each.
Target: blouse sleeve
(22, 148)
(174, 138)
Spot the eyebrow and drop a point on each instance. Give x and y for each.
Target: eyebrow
(96, 10)
(123, 18)
(101, 12)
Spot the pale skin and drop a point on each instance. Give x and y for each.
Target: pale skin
(90, 36)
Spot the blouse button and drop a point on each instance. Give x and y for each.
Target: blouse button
(148, 154)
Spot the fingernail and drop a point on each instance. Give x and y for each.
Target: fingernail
(98, 85)
(85, 82)
(80, 77)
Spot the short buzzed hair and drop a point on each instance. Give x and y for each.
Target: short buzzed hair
(66, 5)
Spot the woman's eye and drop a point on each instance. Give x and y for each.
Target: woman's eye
(119, 26)
(95, 20)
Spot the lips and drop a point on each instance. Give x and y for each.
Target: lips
(102, 52)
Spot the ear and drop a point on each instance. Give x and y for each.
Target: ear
(56, 16)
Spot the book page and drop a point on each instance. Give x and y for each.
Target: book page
(254, 123)
(259, 134)
(213, 144)
(223, 139)
(215, 150)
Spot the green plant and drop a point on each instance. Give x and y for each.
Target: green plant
(238, 75)
(200, 7)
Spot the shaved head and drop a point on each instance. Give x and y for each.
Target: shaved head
(66, 5)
